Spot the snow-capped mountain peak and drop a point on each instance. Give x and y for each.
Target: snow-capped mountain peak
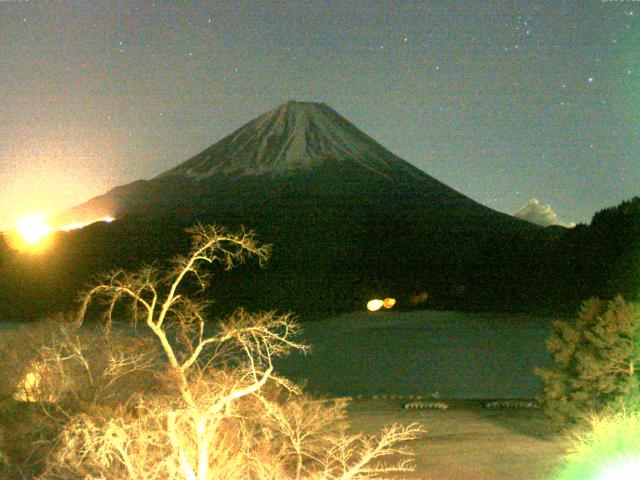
(295, 137)
(299, 157)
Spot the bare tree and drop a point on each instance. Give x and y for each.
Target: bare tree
(216, 409)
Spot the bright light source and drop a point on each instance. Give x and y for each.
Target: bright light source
(31, 234)
(374, 305)
(626, 470)
(389, 302)
(608, 450)
(33, 229)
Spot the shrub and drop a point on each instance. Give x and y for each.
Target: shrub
(607, 448)
(596, 362)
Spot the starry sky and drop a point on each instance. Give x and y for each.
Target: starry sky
(505, 101)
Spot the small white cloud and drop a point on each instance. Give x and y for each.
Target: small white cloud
(535, 212)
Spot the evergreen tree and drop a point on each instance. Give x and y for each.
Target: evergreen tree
(596, 361)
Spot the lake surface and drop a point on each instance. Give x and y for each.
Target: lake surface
(458, 355)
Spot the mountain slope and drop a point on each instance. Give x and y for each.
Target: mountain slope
(298, 154)
(295, 137)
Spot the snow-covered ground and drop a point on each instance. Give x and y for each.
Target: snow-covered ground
(470, 442)
(458, 355)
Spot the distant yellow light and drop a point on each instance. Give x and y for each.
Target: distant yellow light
(31, 234)
(71, 226)
(389, 302)
(77, 225)
(419, 298)
(374, 305)
(33, 229)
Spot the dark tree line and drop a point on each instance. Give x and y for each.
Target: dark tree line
(559, 268)
(324, 267)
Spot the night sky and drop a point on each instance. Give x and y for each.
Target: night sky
(504, 101)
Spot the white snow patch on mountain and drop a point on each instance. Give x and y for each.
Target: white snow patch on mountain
(540, 214)
(296, 136)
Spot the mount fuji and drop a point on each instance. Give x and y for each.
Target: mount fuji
(347, 220)
(295, 156)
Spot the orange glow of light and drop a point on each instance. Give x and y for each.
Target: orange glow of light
(33, 229)
(419, 298)
(77, 225)
(389, 302)
(33, 234)
(374, 305)
(72, 226)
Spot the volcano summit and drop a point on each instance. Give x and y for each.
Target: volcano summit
(296, 137)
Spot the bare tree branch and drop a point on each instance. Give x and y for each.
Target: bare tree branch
(212, 407)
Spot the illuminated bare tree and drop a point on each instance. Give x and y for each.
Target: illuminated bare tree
(214, 407)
